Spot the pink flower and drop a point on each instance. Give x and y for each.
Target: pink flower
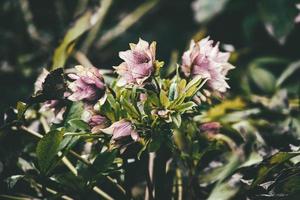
(88, 84)
(121, 130)
(97, 122)
(58, 107)
(204, 59)
(211, 127)
(143, 97)
(138, 63)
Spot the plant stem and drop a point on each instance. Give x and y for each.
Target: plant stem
(160, 172)
(54, 192)
(179, 183)
(149, 176)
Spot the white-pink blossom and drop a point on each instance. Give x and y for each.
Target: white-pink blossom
(204, 59)
(138, 63)
(87, 84)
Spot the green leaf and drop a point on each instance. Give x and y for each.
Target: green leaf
(75, 112)
(12, 180)
(185, 106)
(264, 79)
(103, 161)
(192, 86)
(47, 150)
(86, 21)
(207, 9)
(21, 108)
(223, 192)
(269, 164)
(278, 17)
(164, 100)
(78, 124)
(177, 119)
(173, 91)
(131, 110)
(290, 70)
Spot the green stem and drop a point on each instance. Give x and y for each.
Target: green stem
(160, 178)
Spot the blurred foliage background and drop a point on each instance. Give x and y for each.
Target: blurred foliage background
(262, 35)
(32, 29)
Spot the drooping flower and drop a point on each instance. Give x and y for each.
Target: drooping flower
(97, 122)
(122, 129)
(138, 63)
(205, 59)
(88, 84)
(58, 108)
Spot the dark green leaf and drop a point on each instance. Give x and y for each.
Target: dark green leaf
(47, 150)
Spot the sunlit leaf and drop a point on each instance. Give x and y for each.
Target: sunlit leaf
(83, 23)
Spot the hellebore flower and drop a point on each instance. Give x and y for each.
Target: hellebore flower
(121, 130)
(97, 122)
(58, 107)
(204, 59)
(88, 84)
(138, 63)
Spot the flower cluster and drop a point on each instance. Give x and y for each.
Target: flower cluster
(139, 110)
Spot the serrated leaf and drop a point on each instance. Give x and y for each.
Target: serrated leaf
(47, 150)
(103, 161)
(78, 124)
(75, 112)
